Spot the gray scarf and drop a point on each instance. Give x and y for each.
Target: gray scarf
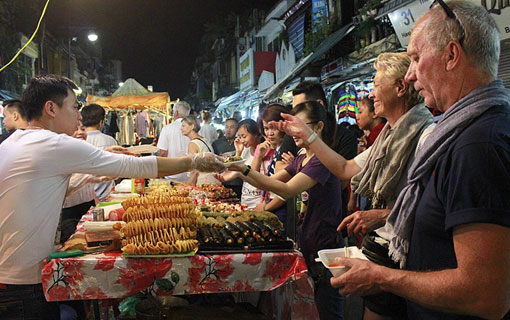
(389, 155)
(452, 123)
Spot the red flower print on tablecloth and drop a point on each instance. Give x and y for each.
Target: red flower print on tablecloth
(59, 293)
(208, 274)
(224, 265)
(253, 259)
(72, 269)
(279, 268)
(47, 272)
(140, 273)
(105, 264)
(94, 293)
(242, 286)
(211, 285)
(113, 254)
(67, 273)
(195, 272)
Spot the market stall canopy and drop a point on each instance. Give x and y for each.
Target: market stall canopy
(8, 95)
(132, 94)
(304, 62)
(252, 99)
(233, 100)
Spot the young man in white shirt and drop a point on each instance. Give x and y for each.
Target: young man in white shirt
(35, 168)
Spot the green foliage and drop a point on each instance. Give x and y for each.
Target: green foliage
(314, 38)
(369, 6)
(363, 28)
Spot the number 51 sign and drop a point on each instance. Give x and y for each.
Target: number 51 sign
(404, 19)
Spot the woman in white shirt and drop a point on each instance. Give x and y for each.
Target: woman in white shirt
(248, 138)
(198, 144)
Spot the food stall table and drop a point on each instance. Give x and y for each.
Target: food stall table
(111, 275)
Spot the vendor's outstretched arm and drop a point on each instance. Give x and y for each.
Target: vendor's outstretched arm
(171, 166)
(203, 162)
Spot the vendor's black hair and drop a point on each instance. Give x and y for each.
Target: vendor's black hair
(44, 88)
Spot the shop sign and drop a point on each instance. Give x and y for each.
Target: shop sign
(294, 9)
(500, 11)
(404, 19)
(331, 68)
(266, 80)
(31, 50)
(319, 14)
(246, 70)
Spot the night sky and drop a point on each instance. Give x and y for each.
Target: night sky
(156, 40)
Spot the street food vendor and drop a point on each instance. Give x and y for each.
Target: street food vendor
(35, 168)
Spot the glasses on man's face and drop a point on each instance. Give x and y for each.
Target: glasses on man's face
(451, 15)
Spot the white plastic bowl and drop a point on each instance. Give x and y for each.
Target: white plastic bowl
(327, 257)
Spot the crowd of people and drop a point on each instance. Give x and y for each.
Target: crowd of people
(427, 200)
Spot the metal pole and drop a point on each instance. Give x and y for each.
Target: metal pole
(69, 57)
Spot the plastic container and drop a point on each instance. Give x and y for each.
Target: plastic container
(327, 257)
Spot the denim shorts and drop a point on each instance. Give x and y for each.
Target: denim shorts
(26, 302)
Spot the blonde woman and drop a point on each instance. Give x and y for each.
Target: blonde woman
(197, 144)
(380, 172)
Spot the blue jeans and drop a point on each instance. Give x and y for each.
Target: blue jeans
(329, 302)
(26, 302)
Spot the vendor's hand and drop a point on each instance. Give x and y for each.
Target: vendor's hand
(207, 162)
(360, 279)
(293, 126)
(362, 222)
(238, 145)
(287, 158)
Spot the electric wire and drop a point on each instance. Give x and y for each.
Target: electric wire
(29, 40)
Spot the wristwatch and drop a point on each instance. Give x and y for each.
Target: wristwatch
(311, 138)
(247, 171)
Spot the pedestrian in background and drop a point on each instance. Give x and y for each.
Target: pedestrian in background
(172, 143)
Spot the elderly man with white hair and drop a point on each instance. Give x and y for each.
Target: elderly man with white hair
(451, 223)
(171, 140)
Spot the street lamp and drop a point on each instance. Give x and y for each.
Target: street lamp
(92, 37)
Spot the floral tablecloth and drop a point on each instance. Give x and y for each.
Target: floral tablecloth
(110, 275)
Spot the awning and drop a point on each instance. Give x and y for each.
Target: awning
(251, 99)
(391, 6)
(8, 95)
(327, 44)
(229, 101)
